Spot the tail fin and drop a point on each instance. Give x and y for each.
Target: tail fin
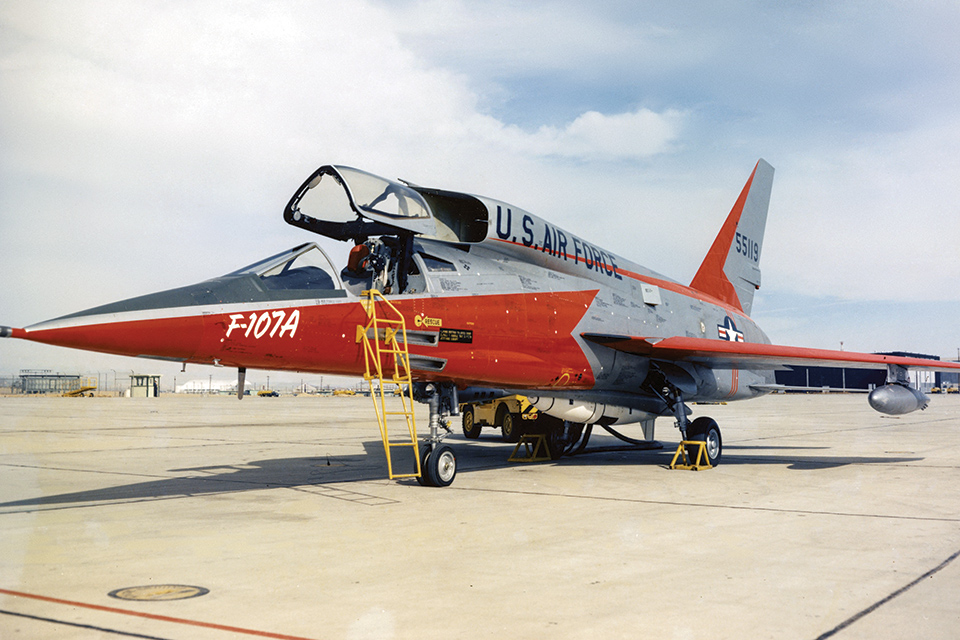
(731, 271)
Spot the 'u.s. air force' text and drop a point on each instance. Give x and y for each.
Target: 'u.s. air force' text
(554, 242)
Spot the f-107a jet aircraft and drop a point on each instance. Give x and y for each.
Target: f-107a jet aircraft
(497, 301)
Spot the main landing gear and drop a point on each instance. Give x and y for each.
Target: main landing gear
(706, 430)
(701, 438)
(703, 429)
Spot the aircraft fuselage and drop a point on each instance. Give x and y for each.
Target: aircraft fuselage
(505, 314)
(494, 300)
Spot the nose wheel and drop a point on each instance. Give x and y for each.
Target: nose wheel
(438, 467)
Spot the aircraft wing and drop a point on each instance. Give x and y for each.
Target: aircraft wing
(721, 354)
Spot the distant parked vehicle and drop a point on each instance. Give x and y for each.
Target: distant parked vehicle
(268, 394)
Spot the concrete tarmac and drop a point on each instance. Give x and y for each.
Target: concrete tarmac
(824, 519)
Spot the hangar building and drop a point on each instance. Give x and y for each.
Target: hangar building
(844, 378)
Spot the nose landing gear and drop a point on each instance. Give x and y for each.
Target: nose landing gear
(438, 466)
(438, 462)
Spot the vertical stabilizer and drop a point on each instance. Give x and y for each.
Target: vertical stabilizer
(731, 270)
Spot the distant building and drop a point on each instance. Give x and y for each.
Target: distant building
(144, 386)
(45, 381)
(951, 379)
(210, 386)
(858, 379)
(832, 377)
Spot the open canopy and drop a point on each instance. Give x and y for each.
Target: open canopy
(346, 203)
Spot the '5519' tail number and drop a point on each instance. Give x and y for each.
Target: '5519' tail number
(258, 324)
(748, 248)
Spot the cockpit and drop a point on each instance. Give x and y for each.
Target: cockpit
(382, 217)
(303, 267)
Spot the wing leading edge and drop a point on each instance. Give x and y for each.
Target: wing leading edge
(720, 354)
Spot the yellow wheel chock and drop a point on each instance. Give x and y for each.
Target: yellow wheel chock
(535, 448)
(691, 462)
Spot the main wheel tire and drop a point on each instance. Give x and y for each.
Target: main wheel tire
(706, 430)
(556, 444)
(574, 433)
(470, 428)
(510, 427)
(442, 466)
(561, 436)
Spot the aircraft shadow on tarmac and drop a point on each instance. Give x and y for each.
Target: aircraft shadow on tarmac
(316, 473)
(226, 478)
(792, 458)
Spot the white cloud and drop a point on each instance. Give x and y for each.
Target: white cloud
(877, 221)
(144, 131)
(593, 135)
(505, 37)
(120, 81)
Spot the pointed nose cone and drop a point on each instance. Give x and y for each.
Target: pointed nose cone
(122, 334)
(158, 325)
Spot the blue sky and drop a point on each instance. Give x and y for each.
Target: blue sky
(146, 145)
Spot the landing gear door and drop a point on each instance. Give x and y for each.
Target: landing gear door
(345, 203)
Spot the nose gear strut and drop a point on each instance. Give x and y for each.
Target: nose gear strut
(438, 461)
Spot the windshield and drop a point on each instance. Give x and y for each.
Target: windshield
(303, 267)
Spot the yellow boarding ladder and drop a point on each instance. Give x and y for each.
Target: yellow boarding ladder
(383, 351)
